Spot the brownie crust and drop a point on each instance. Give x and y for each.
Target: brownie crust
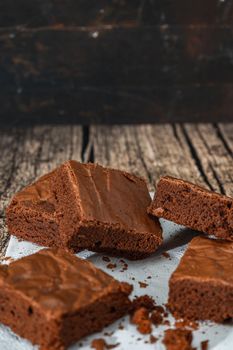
(31, 215)
(53, 298)
(193, 206)
(201, 288)
(104, 210)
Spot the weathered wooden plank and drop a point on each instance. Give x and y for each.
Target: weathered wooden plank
(214, 158)
(179, 150)
(29, 153)
(80, 12)
(157, 150)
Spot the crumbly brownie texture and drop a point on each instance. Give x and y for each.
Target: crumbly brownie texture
(104, 210)
(31, 214)
(178, 339)
(53, 298)
(193, 206)
(201, 288)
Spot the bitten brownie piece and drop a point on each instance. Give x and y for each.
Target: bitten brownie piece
(31, 214)
(201, 288)
(53, 298)
(103, 209)
(193, 206)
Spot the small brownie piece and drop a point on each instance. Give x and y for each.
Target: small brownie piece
(31, 214)
(103, 209)
(53, 298)
(193, 206)
(201, 288)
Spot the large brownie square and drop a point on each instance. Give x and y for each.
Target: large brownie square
(53, 298)
(193, 206)
(104, 209)
(201, 288)
(31, 214)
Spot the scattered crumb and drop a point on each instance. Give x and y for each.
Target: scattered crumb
(133, 279)
(204, 344)
(121, 326)
(139, 315)
(106, 258)
(100, 344)
(187, 323)
(108, 334)
(178, 339)
(149, 277)
(166, 323)
(143, 284)
(144, 301)
(144, 327)
(156, 318)
(153, 339)
(166, 255)
(111, 266)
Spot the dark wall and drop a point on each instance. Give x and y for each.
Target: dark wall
(116, 61)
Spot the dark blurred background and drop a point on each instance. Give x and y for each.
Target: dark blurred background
(116, 61)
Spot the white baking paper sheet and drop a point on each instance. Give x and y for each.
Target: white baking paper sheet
(159, 268)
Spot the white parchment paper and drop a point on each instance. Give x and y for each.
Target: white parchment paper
(159, 268)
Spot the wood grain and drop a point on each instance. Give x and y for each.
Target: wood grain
(201, 153)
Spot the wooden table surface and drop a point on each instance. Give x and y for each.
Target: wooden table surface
(202, 153)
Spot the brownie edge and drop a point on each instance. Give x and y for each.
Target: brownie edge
(193, 206)
(53, 298)
(201, 288)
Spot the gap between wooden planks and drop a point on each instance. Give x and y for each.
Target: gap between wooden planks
(202, 153)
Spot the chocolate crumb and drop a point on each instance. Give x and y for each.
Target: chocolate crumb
(100, 344)
(186, 323)
(149, 277)
(139, 315)
(153, 339)
(156, 318)
(178, 339)
(121, 326)
(166, 255)
(204, 344)
(106, 258)
(144, 301)
(111, 266)
(144, 327)
(143, 284)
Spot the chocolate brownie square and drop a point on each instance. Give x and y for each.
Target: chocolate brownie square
(31, 214)
(53, 298)
(105, 210)
(193, 206)
(201, 288)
